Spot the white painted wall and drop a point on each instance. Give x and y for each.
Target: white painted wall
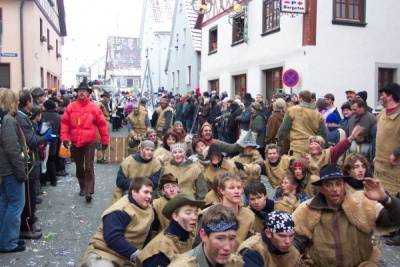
(344, 57)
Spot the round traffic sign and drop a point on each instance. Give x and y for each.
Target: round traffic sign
(290, 78)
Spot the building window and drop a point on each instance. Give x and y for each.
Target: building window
(173, 80)
(189, 74)
(213, 37)
(238, 28)
(41, 29)
(56, 48)
(5, 75)
(273, 79)
(184, 36)
(349, 12)
(385, 76)
(41, 77)
(240, 84)
(129, 83)
(177, 79)
(136, 83)
(271, 15)
(214, 85)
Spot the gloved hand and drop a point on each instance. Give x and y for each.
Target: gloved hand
(50, 137)
(188, 138)
(239, 165)
(104, 147)
(66, 144)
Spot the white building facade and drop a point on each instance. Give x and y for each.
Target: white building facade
(336, 45)
(154, 41)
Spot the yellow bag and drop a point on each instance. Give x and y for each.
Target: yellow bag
(64, 152)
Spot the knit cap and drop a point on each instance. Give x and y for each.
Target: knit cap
(332, 118)
(147, 143)
(177, 146)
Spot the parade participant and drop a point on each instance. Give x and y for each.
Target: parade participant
(190, 176)
(248, 155)
(357, 167)
(275, 166)
(319, 156)
(176, 239)
(299, 123)
(302, 172)
(273, 247)
(179, 131)
(218, 233)
(387, 159)
(336, 226)
(105, 109)
(199, 150)
(164, 117)
(218, 165)
(231, 129)
(169, 188)
(163, 154)
(142, 107)
(139, 164)
(124, 229)
(290, 197)
(13, 160)
(138, 122)
(259, 203)
(361, 145)
(330, 99)
(230, 188)
(151, 135)
(78, 124)
(206, 134)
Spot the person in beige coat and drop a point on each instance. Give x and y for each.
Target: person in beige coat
(124, 230)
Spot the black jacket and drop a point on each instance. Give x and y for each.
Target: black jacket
(215, 112)
(189, 112)
(33, 140)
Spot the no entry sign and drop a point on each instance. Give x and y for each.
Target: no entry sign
(290, 78)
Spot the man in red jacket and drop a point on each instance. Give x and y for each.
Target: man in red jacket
(79, 123)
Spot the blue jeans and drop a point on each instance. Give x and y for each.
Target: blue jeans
(189, 124)
(12, 201)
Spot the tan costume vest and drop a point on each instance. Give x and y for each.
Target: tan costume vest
(309, 189)
(355, 224)
(305, 122)
(287, 203)
(139, 123)
(255, 243)
(161, 118)
(388, 137)
(258, 222)
(317, 161)
(163, 156)
(158, 205)
(187, 176)
(135, 233)
(211, 171)
(255, 157)
(132, 169)
(275, 174)
(166, 244)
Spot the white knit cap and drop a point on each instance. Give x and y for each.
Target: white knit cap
(177, 146)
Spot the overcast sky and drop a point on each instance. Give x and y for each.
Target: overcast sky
(89, 23)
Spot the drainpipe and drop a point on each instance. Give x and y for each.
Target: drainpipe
(21, 36)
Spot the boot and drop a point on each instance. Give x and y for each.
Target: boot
(394, 241)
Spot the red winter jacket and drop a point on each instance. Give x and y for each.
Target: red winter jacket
(79, 122)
